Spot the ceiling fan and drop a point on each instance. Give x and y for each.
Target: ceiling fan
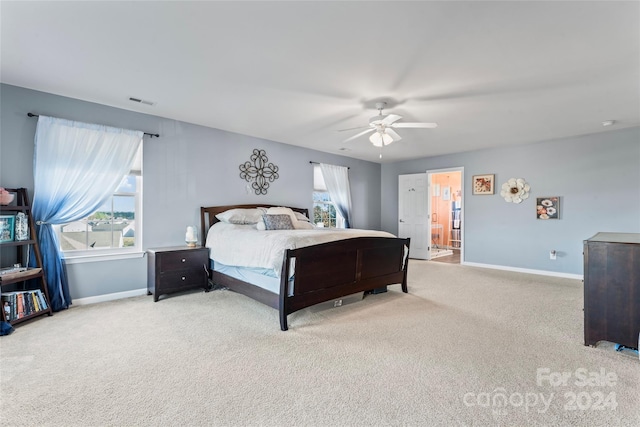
(383, 127)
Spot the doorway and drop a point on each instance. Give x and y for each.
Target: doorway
(445, 204)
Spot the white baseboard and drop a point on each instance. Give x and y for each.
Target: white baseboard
(138, 292)
(525, 270)
(109, 297)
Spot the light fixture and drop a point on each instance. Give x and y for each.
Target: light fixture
(608, 123)
(380, 138)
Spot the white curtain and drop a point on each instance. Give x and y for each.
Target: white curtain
(77, 167)
(337, 180)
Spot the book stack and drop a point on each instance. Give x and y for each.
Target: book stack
(19, 304)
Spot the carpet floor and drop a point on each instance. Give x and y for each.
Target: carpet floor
(467, 347)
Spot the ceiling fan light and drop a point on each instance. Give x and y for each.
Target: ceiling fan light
(379, 138)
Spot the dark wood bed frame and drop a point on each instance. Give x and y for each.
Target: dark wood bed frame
(323, 272)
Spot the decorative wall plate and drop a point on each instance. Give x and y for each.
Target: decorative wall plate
(515, 190)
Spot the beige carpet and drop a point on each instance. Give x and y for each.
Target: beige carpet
(444, 354)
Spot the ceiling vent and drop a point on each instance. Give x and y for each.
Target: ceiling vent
(141, 101)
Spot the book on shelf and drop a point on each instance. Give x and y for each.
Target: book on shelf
(19, 304)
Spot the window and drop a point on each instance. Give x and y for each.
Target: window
(324, 211)
(114, 228)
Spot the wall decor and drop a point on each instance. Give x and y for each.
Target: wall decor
(548, 207)
(483, 184)
(7, 228)
(446, 193)
(515, 190)
(22, 227)
(259, 172)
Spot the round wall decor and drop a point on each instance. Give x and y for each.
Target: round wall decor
(515, 190)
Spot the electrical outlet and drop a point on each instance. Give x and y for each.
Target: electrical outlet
(552, 255)
(337, 303)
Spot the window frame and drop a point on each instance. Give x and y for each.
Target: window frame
(327, 203)
(319, 186)
(104, 254)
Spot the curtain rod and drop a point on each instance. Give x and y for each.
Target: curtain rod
(316, 163)
(146, 133)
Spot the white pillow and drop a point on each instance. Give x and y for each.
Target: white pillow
(303, 225)
(241, 216)
(301, 217)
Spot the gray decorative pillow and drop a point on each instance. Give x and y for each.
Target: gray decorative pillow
(277, 222)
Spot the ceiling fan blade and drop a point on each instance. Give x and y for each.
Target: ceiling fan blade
(358, 127)
(359, 134)
(393, 134)
(390, 119)
(415, 125)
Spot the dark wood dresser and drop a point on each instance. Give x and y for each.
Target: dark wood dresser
(612, 288)
(176, 269)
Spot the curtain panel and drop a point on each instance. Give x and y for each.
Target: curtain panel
(77, 167)
(337, 180)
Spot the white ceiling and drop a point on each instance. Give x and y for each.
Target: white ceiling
(489, 73)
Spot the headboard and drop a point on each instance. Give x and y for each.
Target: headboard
(208, 215)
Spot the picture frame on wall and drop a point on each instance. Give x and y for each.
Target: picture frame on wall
(7, 224)
(548, 207)
(446, 193)
(483, 184)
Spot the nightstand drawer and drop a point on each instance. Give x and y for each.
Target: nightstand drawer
(180, 279)
(181, 260)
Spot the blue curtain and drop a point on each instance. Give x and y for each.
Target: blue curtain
(336, 179)
(77, 167)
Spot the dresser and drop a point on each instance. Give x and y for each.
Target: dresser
(176, 269)
(612, 288)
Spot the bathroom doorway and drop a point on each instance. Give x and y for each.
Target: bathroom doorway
(445, 203)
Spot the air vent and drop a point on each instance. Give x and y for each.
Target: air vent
(141, 101)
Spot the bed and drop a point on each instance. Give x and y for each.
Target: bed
(304, 273)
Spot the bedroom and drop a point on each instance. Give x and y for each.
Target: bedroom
(594, 171)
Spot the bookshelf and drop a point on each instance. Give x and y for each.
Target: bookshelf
(23, 289)
(455, 224)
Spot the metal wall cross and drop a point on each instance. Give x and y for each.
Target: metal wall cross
(259, 171)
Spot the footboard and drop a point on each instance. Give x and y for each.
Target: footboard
(337, 269)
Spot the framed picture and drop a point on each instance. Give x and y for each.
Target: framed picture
(7, 223)
(446, 193)
(548, 207)
(483, 184)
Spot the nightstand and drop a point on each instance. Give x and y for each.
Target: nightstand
(176, 269)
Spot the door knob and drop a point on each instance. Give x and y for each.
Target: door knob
(401, 220)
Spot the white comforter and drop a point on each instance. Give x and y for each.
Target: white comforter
(244, 246)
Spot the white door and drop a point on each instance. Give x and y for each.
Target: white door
(413, 216)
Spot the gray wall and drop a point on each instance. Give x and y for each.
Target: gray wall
(187, 167)
(597, 177)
